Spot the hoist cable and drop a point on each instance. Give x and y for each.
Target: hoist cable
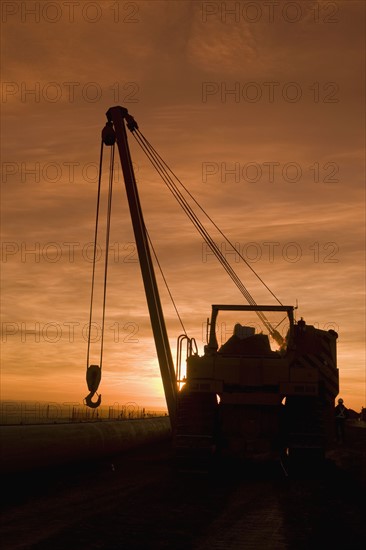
(109, 210)
(97, 216)
(219, 255)
(158, 163)
(208, 216)
(195, 220)
(166, 282)
(95, 251)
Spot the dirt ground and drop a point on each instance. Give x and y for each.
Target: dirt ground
(141, 501)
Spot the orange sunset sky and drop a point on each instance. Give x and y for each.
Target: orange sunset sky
(258, 107)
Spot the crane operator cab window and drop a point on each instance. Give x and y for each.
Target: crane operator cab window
(252, 338)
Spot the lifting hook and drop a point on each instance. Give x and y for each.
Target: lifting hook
(93, 377)
(89, 403)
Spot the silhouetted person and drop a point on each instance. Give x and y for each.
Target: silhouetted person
(341, 414)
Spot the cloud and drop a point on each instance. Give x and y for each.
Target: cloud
(283, 179)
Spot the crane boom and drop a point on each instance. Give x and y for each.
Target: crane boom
(118, 116)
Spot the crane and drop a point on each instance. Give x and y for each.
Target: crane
(243, 398)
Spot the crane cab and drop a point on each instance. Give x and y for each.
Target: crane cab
(240, 398)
